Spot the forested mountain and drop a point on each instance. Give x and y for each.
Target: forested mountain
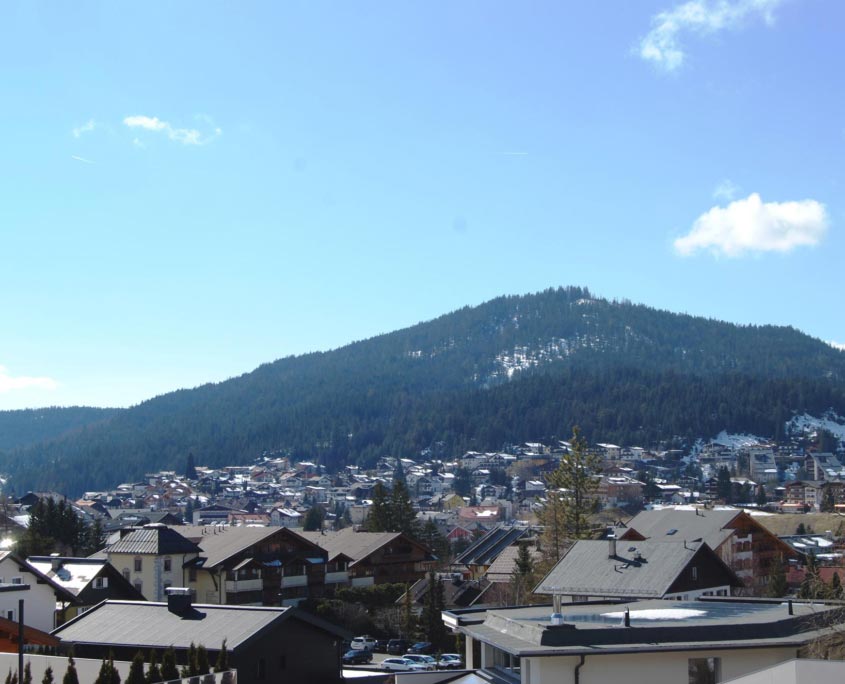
(512, 369)
(31, 426)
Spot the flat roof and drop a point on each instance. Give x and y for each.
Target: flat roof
(655, 625)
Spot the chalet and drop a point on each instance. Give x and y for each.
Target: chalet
(744, 544)
(44, 597)
(678, 570)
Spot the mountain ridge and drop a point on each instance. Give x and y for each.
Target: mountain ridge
(516, 367)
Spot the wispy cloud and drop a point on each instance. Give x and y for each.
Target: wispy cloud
(662, 45)
(87, 127)
(186, 136)
(9, 383)
(81, 159)
(751, 225)
(726, 190)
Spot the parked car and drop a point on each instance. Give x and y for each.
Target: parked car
(397, 646)
(357, 656)
(381, 645)
(361, 642)
(450, 661)
(421, 647)
(396, 664)
(426, 662)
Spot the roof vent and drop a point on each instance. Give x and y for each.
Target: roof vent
(557, 619)
(178, 600)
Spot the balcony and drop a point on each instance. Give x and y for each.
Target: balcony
(294, 581)
(234, 586)
(363, 581)
(337, 577)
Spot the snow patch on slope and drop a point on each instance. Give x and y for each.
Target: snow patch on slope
(737, 441)
(810, 425)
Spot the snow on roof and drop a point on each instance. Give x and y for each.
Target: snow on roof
(658, 614)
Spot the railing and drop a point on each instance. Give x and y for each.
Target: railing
(234, 586)
(294, 581)
(337, 577)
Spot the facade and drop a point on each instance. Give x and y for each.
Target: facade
(648, 642)
(43, 598)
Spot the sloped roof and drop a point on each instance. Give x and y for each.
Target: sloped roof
(503, 567)
(151, 625)
(219, 543)
(347, 542)
(155, 539)
(642, 569)
(74, 574)
(708, 525)
(485, 550)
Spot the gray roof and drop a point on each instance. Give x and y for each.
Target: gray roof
(642, 569)
(706, 525)
(219, 543)
(485, 550)
(151, 625)
(347, 542)
(502, 569)
(153, 539)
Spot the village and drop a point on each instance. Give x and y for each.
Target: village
(269, 570)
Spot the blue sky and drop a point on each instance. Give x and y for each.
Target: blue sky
(192, 189)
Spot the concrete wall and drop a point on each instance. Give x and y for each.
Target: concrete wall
(649, 668)
(797, 671)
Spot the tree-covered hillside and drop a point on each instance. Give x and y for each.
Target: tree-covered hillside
(31, 426)
(515, 368)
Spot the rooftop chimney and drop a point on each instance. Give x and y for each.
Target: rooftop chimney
(611, 551)
(55, 562)
(178, 600)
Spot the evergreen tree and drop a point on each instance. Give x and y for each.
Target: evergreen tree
(313, 519)
(379, 518)
(189, 511)
(762, 499)
(27, 674)
(13, 677)
(828, 503)
(431, 620)
(399, 472)
(136, 670)
(404, 519)
(168, 665)
(409, 620)
(190, 467)
(202, 661)
(777, 586)
(522, 575)
(724, 486)
(835, 587)
(222, 663)
(153, 672)
(70, 674)
(570, 498)
(48, 676)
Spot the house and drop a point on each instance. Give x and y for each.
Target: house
(90, 580)
(43, 597)
(256, 565)
(644, 642)
(743, 543)
(375, 557)
(153, 558)
(264, 644)
(679, 570)
(479, 556)
(824, 466)
(285, 517)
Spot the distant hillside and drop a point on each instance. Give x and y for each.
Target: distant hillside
(512, 369)
(31, 426)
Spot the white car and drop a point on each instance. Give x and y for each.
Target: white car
(450, 661)
(361, 642)
(426, 662)
(395, 665)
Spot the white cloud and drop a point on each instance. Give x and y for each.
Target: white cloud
(87, 127)
(662, 44)
(837, 345)
(81, 159)
(186, 136)
(751, 225)
(726, 190)
(9, 383)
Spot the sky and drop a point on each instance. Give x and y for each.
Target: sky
(189, 190)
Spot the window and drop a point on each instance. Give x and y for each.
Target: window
(126, 574)
(17, 580)
(101, 582)
(705, 670)
(192, 574)
(138, 585)
(168, 565)
(138, 565)
(10, 615)
(694, 573)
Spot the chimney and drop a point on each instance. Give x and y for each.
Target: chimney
(178, 600)
(611, 540)
(55, 562)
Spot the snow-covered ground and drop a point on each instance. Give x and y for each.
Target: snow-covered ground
(807, 424)
(737, 441)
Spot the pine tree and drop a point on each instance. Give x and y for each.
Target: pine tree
(70, 674)
(153, 672)
(136, 670)
(202, 660)
(27, 674)
(222, 663)
(168, 665)
(313, 519)
(379, 518)
(48, 676)
(777, 586)
(522, 575)
(409, 620)
(402, 510)
(571, 497)
(190, 467)
(724, 486)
